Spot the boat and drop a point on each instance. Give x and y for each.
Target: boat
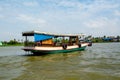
(47, 43)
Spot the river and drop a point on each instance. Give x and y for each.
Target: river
(99, 62)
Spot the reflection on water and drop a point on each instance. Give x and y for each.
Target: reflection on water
(99, 62)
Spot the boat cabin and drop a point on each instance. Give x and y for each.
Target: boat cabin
(49, 39)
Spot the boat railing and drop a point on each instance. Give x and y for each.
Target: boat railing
(29, 44)
(55, 44)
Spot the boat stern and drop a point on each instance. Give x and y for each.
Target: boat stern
(28, 48)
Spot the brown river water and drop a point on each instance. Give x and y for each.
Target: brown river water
(99, 62)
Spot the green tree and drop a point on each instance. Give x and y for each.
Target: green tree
(12, 42)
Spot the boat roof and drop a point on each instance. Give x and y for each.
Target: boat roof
(31, 33)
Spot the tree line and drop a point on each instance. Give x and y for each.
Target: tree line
(12, 42)
(105, 39)
(93, 39)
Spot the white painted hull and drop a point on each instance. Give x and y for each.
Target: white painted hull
(53, 48)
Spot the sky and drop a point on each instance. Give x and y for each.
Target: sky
(91, 17)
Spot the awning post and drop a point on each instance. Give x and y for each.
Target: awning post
(26, 42)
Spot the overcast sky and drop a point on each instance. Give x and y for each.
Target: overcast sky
(92, 17)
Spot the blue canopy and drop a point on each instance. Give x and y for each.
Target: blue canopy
(40, 37)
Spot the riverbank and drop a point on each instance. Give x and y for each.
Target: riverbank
(105, 42)
(7, 45)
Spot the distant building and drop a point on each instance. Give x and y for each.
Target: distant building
(116, 39)
(107, 39)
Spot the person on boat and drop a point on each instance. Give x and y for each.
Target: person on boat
(38, 43)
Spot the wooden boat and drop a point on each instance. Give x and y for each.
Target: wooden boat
(45, 43)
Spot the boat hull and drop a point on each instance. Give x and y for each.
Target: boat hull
(49, 50)
(57, 51)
